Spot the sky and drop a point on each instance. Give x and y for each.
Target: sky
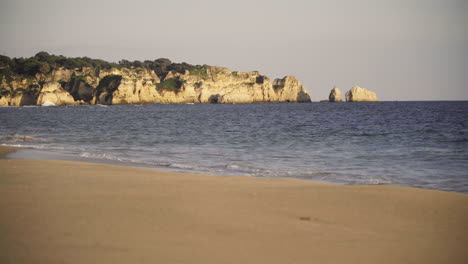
(401, 49)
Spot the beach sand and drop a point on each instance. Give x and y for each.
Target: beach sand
(73, 212)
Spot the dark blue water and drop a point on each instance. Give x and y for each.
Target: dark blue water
(420, 144)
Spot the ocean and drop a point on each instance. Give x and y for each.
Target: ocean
(418, 144)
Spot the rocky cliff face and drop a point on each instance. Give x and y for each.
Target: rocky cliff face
(140, 85)
(358, 94)
(53, 94)
(335, 95)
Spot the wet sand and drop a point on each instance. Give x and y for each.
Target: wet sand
(73, 212)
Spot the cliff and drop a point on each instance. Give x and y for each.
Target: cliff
(358, 94)
(117, 84)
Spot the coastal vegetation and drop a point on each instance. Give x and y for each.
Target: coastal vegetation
(172, 84)
(44, 63)
(109, 83)
(278, 87)
(201, 71)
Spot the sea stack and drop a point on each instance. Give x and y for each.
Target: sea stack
(335, 95)
(358, 94)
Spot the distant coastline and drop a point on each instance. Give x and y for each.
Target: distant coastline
(51, 80)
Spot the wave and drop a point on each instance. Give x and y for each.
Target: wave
(310, 175)
(154, 164)
(100, 156)
(17, 138)
(269, 173)
(249, 169)
(35, 146)
(379, 181)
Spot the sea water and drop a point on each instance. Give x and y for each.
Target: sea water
(419, 144)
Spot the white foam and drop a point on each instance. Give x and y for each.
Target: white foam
(17, 138)
(379, 181)
(32, 146)
(48, 103)
(100, 156)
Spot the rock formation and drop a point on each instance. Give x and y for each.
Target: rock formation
(53, 94)
(335, 95)
(137, 85)
(48, 103)
(358, 94)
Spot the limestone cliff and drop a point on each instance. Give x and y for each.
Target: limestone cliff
(53, 94)
(139, 85)
(358, 94)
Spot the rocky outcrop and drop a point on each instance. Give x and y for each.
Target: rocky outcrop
(289, 89)
(335, 95)
(358, 94)
(220, 85)
(52, 93)
(18, 98)
(205, 84)
(48, 103)
(136, 88)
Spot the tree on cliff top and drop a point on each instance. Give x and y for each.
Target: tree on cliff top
(43, 62)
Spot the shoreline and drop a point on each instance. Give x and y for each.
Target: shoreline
(5, 150)
(76, 212)
(31, 153)
(318, 101)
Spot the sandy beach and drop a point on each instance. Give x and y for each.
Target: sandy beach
(72, 212)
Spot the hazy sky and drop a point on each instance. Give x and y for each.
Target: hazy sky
(401, 49)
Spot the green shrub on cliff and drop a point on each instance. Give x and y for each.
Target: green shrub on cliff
(5, 74)
(110, 83)
(198, 84)
(6, 64)
(173, 84)
(75, 80)
(25, 66)
(200, 71)
(278, 87)
(4, 92)
(44, 63)
(159, 66)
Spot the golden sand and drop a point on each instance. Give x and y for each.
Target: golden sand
(73, 212)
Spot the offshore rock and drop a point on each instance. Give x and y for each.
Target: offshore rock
(358, 94)
(335, 95)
